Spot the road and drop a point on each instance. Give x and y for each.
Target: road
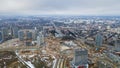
(17, 48)
(9, 46)
(61, 63)
(28, 65)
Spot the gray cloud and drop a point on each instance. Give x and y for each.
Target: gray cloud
(82, 7)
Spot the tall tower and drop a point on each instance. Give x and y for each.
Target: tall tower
(117, 45)
(1, 37)
(15, 32)
(5, 33)
(21, 35)
(26, 36)
(98, 40)
(40, 38)
(35, 31)
(80, 58)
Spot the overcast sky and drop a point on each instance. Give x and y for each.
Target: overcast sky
(64, 7)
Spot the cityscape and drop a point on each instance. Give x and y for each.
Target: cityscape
(60, 42)
(59, 34)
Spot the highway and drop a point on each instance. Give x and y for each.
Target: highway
(60, 63)
(28, 65)
(9, 46)
(55, 64)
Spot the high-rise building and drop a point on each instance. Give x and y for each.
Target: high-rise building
(80, 58)
(11, 30)
(40, 38)
(5, 33)
(1, 37)
(21, 35)
(117, 44)
(98, 40)
(15, 32)
(26, 36)
(35, 31)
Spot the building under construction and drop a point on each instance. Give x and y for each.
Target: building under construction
(80, 58)
(26, 36)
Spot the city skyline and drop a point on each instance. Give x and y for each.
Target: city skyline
(59, 7)
(59, 41)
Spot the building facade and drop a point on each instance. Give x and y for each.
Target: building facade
(98, 40)
(1, 37)
(5, 33)
(80, 58)
(40, 38)
(26, 36)
(117, 45)
(15, 32)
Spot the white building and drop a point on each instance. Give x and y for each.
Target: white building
(40, 38)
(108, 27)
(70, 43)
(115, 30)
